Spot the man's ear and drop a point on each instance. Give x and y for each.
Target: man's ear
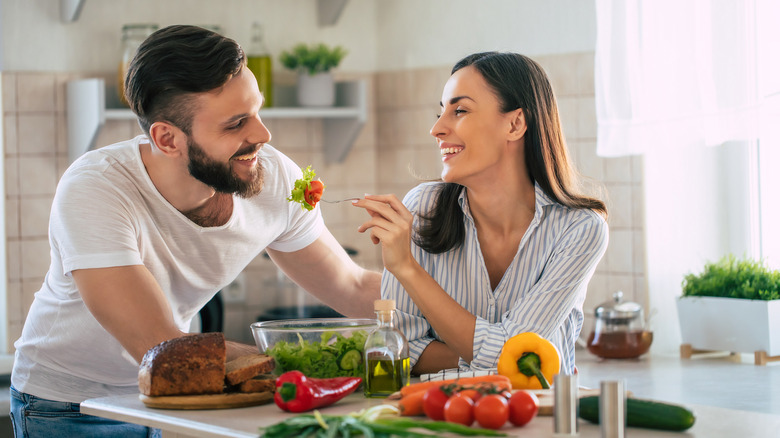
(168, 139)
(517, 125)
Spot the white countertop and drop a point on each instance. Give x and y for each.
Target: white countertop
(730, 398)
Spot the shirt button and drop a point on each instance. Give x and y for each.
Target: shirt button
(492, 302)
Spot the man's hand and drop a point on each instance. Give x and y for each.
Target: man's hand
(129, 304)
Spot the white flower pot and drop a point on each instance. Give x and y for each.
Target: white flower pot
(316, 90)
(730, 324)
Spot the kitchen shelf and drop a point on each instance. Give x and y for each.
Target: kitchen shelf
(341, 124)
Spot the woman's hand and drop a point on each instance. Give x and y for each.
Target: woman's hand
(390, 225)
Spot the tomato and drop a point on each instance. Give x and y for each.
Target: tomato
(459, 409)
(491, 411)
(473, 394)
(523, 407)
(313, 193)
(433, 403)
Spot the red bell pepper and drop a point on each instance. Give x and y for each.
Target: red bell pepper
(297, 393)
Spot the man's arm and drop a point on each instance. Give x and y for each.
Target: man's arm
(325, 270)
(129, 304)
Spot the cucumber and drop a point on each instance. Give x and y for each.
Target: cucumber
(643, 413)
(350, 360)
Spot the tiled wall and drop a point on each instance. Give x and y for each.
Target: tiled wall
(392, 153)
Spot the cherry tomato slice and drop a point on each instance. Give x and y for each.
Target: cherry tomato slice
(433, 403)
(491, 411)
(459, 409)
(313, 193)
(523, 407)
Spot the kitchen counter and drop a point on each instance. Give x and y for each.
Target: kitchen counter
(730, 398)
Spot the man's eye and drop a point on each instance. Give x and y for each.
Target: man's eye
(438, 116)
(237, 125)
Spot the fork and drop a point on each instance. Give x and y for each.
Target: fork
(340, 200)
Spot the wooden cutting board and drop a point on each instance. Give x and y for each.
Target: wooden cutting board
(208, 401)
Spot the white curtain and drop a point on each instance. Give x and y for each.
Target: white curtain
(680, 73)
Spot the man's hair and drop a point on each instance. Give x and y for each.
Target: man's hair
(171, 66)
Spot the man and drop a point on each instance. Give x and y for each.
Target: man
(144, 232)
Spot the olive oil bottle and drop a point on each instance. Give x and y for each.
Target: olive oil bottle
(386, 354)
(258, 61)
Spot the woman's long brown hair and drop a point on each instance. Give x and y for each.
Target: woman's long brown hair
(519, 82)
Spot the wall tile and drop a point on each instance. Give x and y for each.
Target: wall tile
(12, 224)
(427, 85)
(14, 259)
(585, 65)
(44, 170)
(291, 135)
(569, 115)
(36, 258)
(385, 90)
(14, 333)
(562, 72)
(618, 170)
(589, 164)
(620, 252)
(621, 282)
(15, 312)
(37, 133)
(12, 176)
(619, 206)
(35, 216)
(36, 92)
(586, 121)
(639, 250)
(638, 206)
(10, 134)
(62, 134)
(115, 131)
(9, 91)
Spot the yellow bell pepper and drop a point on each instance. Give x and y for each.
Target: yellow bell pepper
(529, 360)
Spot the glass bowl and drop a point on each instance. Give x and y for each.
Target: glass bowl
(318, 347)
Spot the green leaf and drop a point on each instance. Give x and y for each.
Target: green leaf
(313, 59)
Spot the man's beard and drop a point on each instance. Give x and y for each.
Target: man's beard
(220, 176)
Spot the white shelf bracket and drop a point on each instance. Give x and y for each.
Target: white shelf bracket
(329, 11)
(339, 134)
(70, 10)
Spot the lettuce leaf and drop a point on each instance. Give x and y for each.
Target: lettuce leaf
(319, 359)
(296, 195)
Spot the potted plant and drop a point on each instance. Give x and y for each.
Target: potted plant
(733, 305)
(313, 64)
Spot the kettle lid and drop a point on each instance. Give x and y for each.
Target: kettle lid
(617, 309)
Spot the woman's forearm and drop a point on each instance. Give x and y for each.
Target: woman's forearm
(437, 356)
(453, 323)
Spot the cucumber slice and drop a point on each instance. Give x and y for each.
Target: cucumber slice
(350, 360)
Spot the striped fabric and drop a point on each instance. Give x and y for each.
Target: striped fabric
(542, 291)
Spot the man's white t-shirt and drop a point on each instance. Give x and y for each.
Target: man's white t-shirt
(107, 212)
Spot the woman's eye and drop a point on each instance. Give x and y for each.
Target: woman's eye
(459, 111)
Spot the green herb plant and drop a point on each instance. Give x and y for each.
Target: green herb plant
(312, 59)
(734, 278)
(321, 359)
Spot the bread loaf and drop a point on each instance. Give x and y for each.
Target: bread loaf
(188, 365)
(244, 368)
(261, 383)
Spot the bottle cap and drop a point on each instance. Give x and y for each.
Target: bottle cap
(384, 305)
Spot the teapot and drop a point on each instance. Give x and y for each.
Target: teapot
(620, 331)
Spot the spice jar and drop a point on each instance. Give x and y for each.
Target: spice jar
(132, 37)
(619, 332)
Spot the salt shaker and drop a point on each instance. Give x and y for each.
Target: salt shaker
(612, 409)
(565, 405)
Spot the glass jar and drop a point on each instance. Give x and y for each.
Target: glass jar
(619, 332)
(132, 36)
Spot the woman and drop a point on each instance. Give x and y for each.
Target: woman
(504, 244)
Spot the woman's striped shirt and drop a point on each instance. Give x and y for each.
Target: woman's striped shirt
(542, 290)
